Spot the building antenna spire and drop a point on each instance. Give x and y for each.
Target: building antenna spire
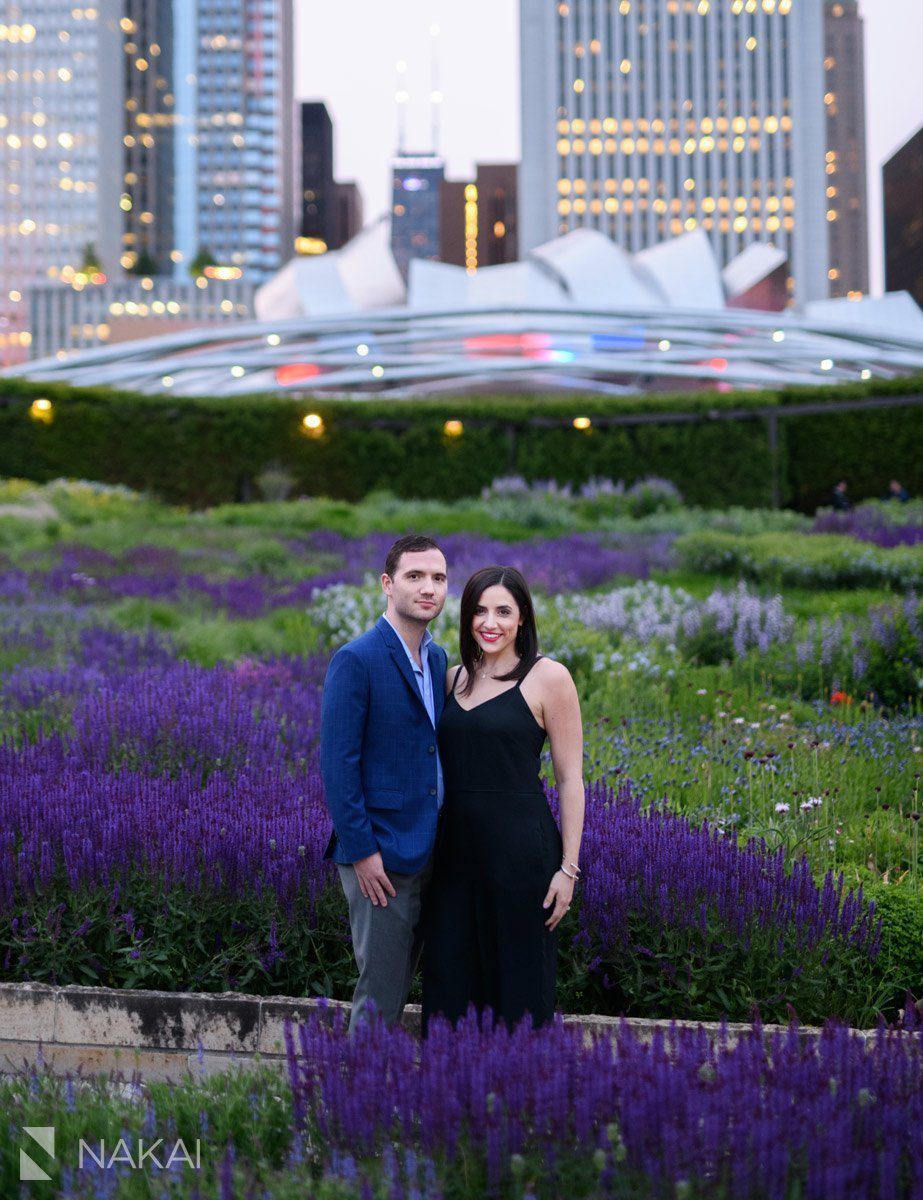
(401, 96)
(435, 95)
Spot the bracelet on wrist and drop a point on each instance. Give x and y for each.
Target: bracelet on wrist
(569, 874)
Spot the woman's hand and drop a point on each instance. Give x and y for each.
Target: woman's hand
(560, 896)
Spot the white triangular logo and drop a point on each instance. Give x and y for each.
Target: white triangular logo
(28, 1167)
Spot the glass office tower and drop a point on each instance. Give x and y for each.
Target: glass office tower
(648, 118)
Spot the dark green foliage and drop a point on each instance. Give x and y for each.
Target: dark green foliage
(91, 261)
(203, 259)
(203, 451)
(900, 963)
(186, 943)
(247, 943)
(145, 264)
(707, 646)
(865, 448)
(683, 453)
(895, 657)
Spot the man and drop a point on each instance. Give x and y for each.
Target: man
(383, 698)
(897, 491)
(839, 499)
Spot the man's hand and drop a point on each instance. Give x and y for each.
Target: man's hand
(373, 882)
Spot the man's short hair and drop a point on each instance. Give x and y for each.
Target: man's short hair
(413, 543)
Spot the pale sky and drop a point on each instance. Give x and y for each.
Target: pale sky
(347, 54)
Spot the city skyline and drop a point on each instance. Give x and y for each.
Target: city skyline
(140, 137)
(480, 43)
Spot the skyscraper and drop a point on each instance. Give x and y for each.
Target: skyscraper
(318, 189)
(455, 222)
(135, 133)
(903, 202)
(844, 99)
(478, 218)
(62, 92)
(497, 218)
(236, 187)
(645, 118)
(148, 140)
(331, 212)
(416, 208)
(349, 210)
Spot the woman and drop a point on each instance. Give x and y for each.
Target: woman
(504, 876)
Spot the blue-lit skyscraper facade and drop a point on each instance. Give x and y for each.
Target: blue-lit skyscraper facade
(415, 208)
(235, 136)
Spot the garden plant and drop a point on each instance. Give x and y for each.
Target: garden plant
(751, 684)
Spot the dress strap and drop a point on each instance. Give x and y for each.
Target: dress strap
(520, 682)
(458, 671)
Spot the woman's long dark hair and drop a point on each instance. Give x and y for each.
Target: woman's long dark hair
(526, 638)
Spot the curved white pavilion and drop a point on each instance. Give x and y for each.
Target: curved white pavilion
(578, 314)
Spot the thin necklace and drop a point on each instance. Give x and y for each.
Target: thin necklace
(486, 674)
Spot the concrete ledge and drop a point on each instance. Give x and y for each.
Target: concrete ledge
(156, 1020)
(164, 1035)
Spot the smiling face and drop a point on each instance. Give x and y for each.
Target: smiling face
(417, 590)
(496, 622)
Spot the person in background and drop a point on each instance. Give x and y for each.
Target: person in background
(897, 491)
(840, 497)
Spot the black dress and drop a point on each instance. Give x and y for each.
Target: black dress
(498, 847)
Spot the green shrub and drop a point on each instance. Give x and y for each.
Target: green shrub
(819, 561)
(894, 654)
(900, 963)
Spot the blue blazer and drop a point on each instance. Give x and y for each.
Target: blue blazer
(378, 752)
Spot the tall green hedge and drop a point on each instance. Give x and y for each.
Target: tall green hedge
(202, 451)
(866, 448)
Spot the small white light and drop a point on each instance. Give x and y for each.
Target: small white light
(273, 339)
(826, 364)
(167, 381)
(362, 350)
(237, 372)
(378, 371)
(866, 374)
(663, 345)
(778, 336)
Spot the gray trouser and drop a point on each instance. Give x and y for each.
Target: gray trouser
(386, 942)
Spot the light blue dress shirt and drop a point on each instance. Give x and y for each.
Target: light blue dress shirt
(425, 684)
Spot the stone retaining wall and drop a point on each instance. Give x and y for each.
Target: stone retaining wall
(161, 1035)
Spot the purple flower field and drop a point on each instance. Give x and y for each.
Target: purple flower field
(483, 1112)
(869, 524)
(141, 791)
(84, 575)
(170, 792)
